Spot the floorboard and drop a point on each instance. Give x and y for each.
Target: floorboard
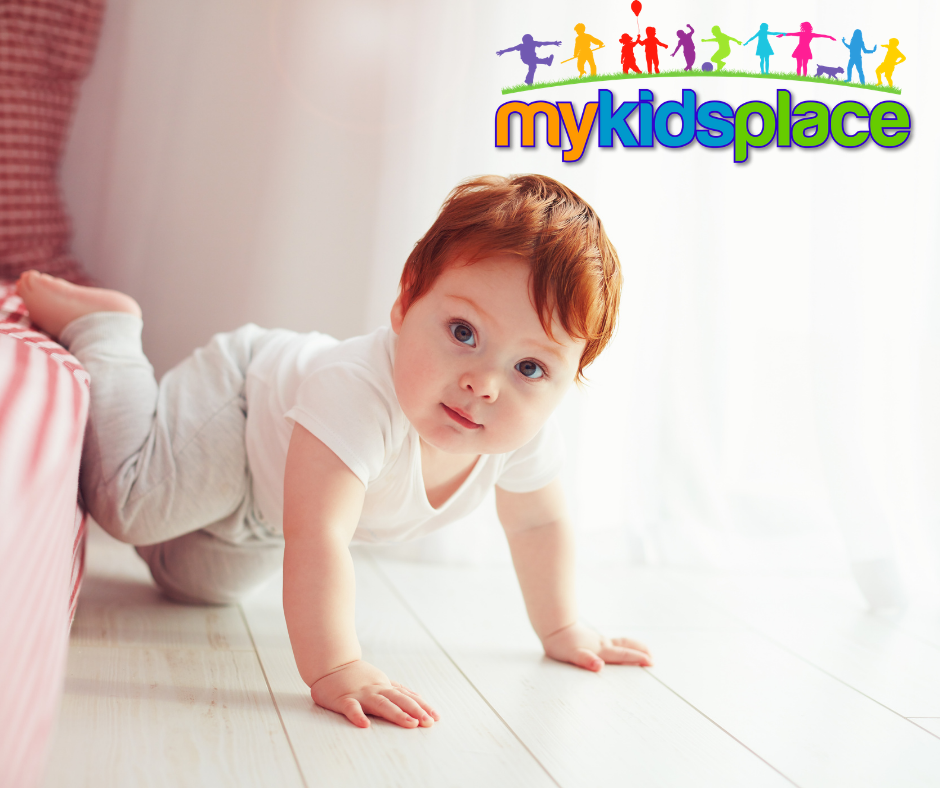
(119, 606)
(165, 717)
(587, 728)
(816, 730)
(867, 652)
(161, 694)
(469, 746)
(757, 681)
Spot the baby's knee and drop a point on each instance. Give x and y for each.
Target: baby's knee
(133, 525)
(201, 569)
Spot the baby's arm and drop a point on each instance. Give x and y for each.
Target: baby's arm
(542, 545)
(322, 504)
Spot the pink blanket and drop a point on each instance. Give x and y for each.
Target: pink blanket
(43, 408)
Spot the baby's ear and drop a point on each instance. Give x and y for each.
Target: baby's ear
(397, 315)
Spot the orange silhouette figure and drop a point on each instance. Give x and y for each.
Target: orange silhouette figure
(583, 51)
(652, 52)
(890, 61)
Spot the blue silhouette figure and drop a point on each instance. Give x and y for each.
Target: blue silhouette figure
(764, 50)
(856, 46)
(527, 54)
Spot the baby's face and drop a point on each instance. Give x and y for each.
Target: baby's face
(475, 373)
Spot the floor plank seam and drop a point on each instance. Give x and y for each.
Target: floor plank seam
(913, 721)
(791, 652)
(159, 647)
(300, 771)
(378, 568)
(722, 729)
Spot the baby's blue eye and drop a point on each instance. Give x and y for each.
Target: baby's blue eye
(463, 334)
(530, 369)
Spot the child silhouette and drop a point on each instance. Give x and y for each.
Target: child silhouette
(527, 54)
(890, 61)
(724, 48)
(627, 57)
(764, 50)
(856, 47)
(803, 53)
(688, 47)
(652, 52)
(583, 51)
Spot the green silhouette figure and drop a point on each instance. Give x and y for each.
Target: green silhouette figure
(724, 48)
(890, 61)
(764, 50)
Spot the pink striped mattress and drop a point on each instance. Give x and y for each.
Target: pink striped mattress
(43, 409)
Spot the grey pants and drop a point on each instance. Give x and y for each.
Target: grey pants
(164, 466)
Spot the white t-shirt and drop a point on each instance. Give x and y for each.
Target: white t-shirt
(343, 393)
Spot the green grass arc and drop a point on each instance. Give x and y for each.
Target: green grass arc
(787, 76)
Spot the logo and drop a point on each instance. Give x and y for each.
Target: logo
(710, 123)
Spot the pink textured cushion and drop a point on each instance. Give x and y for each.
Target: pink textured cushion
(46, 49)
(43, 409)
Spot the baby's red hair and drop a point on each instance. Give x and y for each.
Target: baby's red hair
(575, 269)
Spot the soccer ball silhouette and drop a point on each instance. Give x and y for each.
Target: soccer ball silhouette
(707, 66)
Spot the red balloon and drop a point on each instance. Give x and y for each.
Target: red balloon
(637, 6)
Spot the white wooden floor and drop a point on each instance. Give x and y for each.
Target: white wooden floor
(757, 682)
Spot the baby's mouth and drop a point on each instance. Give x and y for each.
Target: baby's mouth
(462, 420)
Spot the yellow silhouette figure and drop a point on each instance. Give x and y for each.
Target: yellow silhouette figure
(583, 51)
(890, 61)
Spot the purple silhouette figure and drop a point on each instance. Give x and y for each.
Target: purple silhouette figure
(527, 54)
(688, 47)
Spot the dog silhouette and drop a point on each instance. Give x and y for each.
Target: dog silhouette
(829, 71)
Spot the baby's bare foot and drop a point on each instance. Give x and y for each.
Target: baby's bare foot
(53, 303)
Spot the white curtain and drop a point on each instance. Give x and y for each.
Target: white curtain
(770, 401)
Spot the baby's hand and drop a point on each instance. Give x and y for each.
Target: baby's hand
(582, 646)
(358, 688)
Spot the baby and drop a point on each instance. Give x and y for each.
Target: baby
(268, 445)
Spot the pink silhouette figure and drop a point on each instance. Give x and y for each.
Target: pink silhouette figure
(803, 53)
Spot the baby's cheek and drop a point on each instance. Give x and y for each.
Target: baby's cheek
(522, 427)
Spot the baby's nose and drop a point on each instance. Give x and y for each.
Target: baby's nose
(482, 383)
